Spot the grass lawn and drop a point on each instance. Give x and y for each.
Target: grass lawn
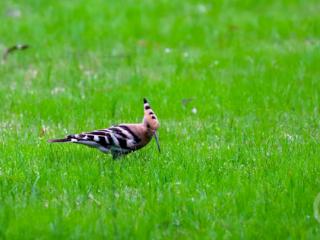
(235, 85)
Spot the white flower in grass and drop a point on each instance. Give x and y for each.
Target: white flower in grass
(194, 110)
(167, 50)
(291, 138)
(202, 8)
(14, 13)
(57, 90)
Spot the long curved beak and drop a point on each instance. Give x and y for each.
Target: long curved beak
(157, 141)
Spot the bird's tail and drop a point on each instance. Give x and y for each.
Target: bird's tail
(59, 140)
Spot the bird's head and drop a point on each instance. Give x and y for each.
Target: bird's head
(150, 120)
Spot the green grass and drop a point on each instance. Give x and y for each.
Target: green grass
(245, 165)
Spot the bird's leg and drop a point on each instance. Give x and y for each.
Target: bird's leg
(116, 155)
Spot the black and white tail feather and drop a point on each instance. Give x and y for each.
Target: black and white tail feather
(121, 139)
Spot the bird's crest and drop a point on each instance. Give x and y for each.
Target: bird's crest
(150, 119)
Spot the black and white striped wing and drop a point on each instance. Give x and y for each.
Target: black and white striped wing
(119, 139)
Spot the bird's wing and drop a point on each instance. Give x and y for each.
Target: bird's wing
(115, 139)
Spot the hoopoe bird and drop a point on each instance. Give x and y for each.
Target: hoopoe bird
(121, 139)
